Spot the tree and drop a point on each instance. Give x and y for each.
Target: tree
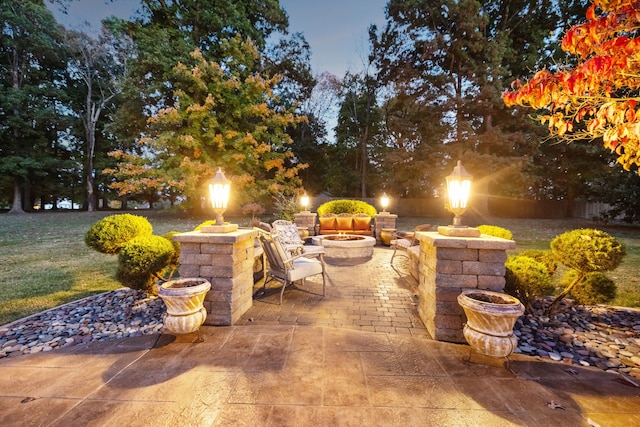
(32, 63)
(598, 96)
(224, 115)
(100, 65)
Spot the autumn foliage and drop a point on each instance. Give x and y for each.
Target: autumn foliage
(598, 96)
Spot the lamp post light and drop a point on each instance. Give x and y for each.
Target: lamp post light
(458, 192)
(384, 202)
(304, 202)
(219, 190)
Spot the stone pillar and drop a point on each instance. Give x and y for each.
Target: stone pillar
(447, 266)
(306, 219)
(226, 260)
(384, 220)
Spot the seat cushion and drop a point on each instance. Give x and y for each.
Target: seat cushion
(361, 223)
(303, 267)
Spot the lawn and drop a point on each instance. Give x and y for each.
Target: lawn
(45, 263)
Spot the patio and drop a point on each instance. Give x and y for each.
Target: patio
(357, 357)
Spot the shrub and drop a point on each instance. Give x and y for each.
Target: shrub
(527, 279)
(285, 207)
(495, 231)
(111, 233)
(346, 206)
(593, 288)
(142, 261)
(175, 259)
(585, 251)
(543, 256)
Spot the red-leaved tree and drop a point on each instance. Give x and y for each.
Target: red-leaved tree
(598, 96)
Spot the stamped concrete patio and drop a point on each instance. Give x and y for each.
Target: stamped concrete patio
(358, 357)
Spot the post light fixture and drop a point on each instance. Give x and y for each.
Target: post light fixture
(458, 192)
(304, 202)
(384, 202)
(219, 190)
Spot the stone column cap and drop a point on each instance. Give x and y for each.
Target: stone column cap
(222, 238)
(483, 242)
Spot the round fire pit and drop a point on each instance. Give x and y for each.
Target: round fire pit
(345, 245)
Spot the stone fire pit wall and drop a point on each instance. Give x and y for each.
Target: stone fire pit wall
(448, 265)
(225, 260)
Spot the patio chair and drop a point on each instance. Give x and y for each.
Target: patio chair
(289, 269)
(404, 240)
(290, 238)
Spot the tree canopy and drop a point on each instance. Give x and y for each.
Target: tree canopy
(596, 98)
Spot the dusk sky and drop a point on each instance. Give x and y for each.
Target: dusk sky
(335, 29)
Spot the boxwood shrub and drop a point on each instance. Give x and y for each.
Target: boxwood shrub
(527, 279)
(143, 260)
(593, 288)
(495, 231)
(111, 233)
(346, 206)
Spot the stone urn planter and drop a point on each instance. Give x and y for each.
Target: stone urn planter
(184, 300)
(490, 319)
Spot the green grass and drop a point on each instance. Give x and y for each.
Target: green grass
(45, 263)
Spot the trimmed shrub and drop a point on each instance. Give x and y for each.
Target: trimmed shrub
(543, 256)
(346, 206)
(593, 288)
(206, 223)
(142, 261)
(586, 251)
(111, 233)
(495, 231)
(527, 279)
(175, 259)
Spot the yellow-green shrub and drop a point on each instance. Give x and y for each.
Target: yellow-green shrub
(346, 206)
(527, 279)
(593, 288)
(142, 261)
(111, 233)
(495, 231)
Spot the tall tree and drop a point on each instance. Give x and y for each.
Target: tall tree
(224, 115)
(32, 64)
(99, 64)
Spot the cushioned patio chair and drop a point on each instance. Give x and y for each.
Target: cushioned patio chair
(404, 240)
(290, 238)
(289, 269)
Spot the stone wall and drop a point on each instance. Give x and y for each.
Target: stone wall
(446, 266)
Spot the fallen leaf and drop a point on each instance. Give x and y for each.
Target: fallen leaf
(626, 381)
(554, 405)
(27, 399)
(571, 371)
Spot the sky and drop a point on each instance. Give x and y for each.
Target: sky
(335, 29)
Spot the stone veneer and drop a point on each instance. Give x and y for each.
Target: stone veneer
(449, 264)
(226, 260)
(384, 220)
(306, 219)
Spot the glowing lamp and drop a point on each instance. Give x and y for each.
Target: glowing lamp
(458, 192)
(384, 202)
(304, 202)
(219, 190)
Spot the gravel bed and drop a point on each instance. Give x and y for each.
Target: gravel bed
(601, 336)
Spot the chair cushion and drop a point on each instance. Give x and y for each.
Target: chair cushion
(361, 223)
(303, 267)
(327, 223)
(344, 223)
(288, 233)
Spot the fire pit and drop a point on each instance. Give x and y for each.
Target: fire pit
(345, 245)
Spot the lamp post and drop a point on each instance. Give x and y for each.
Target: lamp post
(458, 192)
(219, 190)
(304, 202)
(384, 202)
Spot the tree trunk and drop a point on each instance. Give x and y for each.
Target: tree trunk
(17, 199)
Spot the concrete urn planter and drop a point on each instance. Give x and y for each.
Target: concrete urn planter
(184, 300)
(490, 319)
